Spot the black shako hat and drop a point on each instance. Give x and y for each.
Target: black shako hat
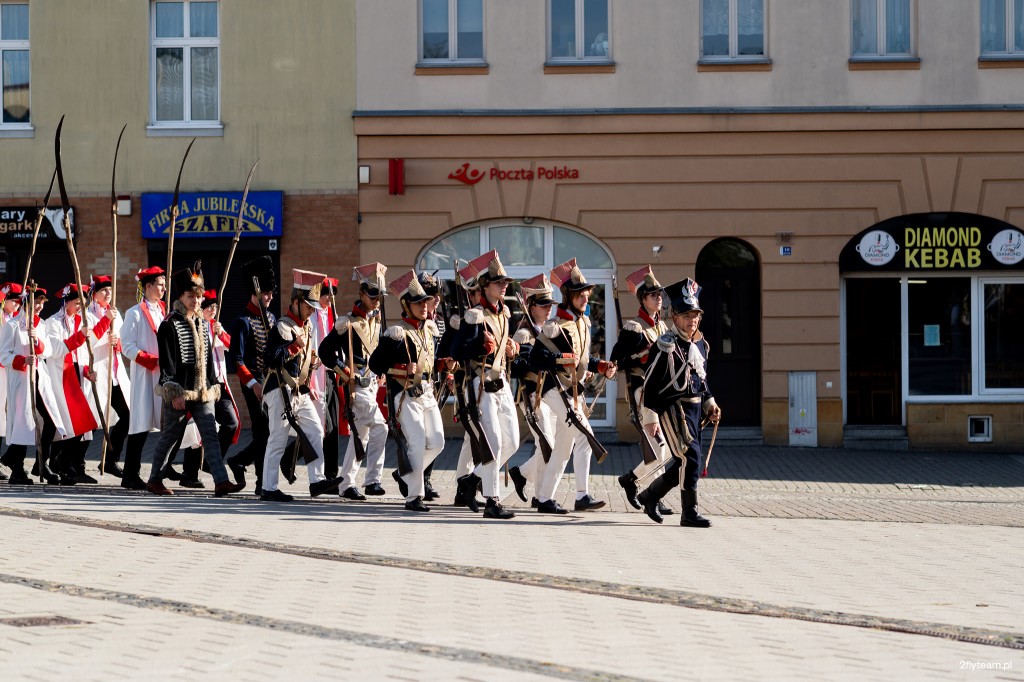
(262, 269)
(683, 295)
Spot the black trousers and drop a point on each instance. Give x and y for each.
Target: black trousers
(135, 444)
(119, 432)
(227, 420)
(331, 440)
(256, 450)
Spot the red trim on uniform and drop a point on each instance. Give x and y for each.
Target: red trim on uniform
(252, 309)
(74, 341)
(358, 310)
(75, 401)
(294, 347)
(19, 363)
(244, 375)
(647, 318)
(414, 323)
(563, 314)
(148, 361)
(102, 327)
(225, 338)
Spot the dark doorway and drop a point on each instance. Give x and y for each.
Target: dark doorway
(730, 275)
(51, 269)
(873, 381)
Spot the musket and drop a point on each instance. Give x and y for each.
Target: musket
(66, 206)
(443, 392)
(35, 232)
(113, 299)
(572, 418)
(174, 220)
(394, 427)
(302, 443)
(646, 446)
(463, 411)
(234, 242)
(525, 402)
(350, 413)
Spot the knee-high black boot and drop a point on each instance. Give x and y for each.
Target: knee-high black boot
(691, 517)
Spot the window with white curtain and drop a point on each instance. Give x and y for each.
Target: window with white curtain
(14, 76)
(1002, 27)
(451, 30)
(578, 30)
(185, 67)
(732, 29)
(881, 28)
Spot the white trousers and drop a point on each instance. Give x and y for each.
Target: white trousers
(499, 421)
(568, 440)
(534, 467)
(464, 467)
(373, 432)
(420, 420)
(308, 419)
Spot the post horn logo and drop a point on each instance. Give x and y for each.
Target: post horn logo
(467, 175)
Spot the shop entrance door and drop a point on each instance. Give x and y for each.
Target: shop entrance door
(873, 352)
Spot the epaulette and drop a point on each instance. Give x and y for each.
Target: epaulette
(633, 326)
(551, 329)
(523, 336)
(455, 322)
(431, 328)
(342, 324)
(505, 311)
(286, 329)
(395, 333)
(666, 342)
(474, 316)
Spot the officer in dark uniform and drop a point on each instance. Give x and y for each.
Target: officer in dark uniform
(676, 389)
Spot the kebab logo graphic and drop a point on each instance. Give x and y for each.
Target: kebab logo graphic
(877, 247)
(1007, 247)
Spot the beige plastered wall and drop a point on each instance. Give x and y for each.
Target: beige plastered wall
(287, 92)
(683, 180)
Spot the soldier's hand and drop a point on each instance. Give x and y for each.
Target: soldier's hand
(511, 348)
(715, 413)
(449, 381)
(380, 380)
(110, 314)
(299, 342)
(90, 375)
(653, 431)
(566, 359)
(344, 374)
(412, 370)
(490, 345)
(217, 328)
(608, 369)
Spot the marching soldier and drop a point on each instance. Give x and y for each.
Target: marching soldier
(360, 331)
(23, 346)
(107, 359)
(405, 355)
(188, 383)
(484, 346)
(563, 355)
(432, 286)
(632, 354)
(67, 365)
(138, 337)
(324, 382)
(247, 359)
(539, 417)
(291, 359)
(676, 390)
(11, 304)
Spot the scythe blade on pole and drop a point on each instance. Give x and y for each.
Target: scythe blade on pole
(35, 232)
(174, 220)
(234, 242)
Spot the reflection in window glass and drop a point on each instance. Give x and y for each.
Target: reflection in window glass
(464, 244)
(203, 20)
(1004, 309)
(204, 84)
(470, 20)
(595, 27)
(587, 252)
(897, 26)
(15, 85)
(13, 22)
(750, 23)
(435, 29)
(865, 27)
(939, 341)
(170, 98)
(170, 20)
(563, 28)
(993, 25)
(715, 28)
(518, 245)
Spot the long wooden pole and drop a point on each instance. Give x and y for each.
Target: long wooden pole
(113, 301)
(234, 243)
(174, 220)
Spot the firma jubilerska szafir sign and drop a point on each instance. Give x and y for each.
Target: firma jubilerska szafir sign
(948, 242)
(213, 214)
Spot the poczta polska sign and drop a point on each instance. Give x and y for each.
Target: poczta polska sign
(469, 175)
(213, 214)
(935, 241)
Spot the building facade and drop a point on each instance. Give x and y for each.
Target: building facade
(842, 177)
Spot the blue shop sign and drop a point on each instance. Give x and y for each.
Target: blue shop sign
(212, 214)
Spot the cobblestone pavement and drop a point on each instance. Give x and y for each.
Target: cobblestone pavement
(821, 564)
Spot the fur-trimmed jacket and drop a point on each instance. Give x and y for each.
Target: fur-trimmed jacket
(184, 349)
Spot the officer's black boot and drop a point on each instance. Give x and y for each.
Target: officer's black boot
(650, 498)
(628, 483)
(691, 517)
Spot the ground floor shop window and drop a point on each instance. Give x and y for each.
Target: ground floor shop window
(1003, 310)
(939, 335)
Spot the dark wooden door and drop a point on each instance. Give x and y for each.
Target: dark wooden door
(873, 379)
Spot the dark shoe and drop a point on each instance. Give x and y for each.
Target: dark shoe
(275, 496)
(238, 471)
(494, 510)
(467, 486)
(158, 488)
(628, 483)
(191, 483)
(132, 483)
(416, 505)
(66, 478)
(551, 507)
(374, 489)
(519, 481)
(258, 492)
(3, 476)
(429, 493)
(588, 503)
(403, 487)
(353, 494)
(226, 488)
(49, 475)
(19, 477)
(534, 502)
(35, 468)
(328, 485)
(691, 517)
(665, 509)
(112, 469)
(170, 473)
(650, 505)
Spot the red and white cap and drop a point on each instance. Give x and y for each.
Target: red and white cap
(409, 288)
(306, 286)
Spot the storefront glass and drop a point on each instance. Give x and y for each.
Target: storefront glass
(939, 335)
(1003, 308)
(518, 245)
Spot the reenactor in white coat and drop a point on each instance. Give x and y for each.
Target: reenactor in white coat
(107, 358)
(10, 305)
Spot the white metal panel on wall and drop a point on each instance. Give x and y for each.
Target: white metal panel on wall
(803, 409)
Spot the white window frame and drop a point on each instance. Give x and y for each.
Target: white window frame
(880, 36)
(734, 37)
(978, 335)
(186, 43)
(13, 129)
(453, 38)
(581, 47)
(1011, 49)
